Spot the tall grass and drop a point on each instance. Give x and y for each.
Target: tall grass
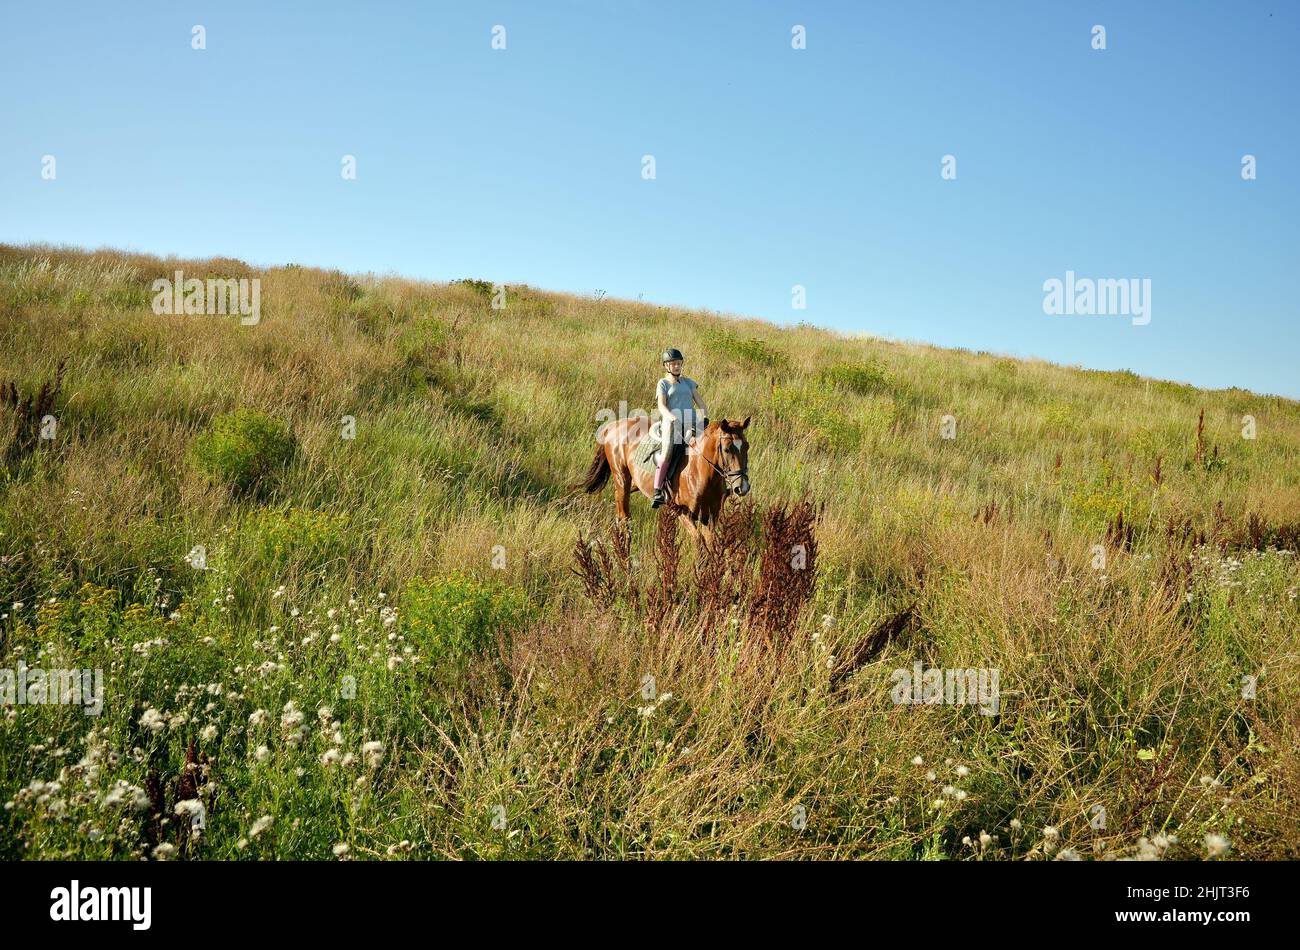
(407, 638)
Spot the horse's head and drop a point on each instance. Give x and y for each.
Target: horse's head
(733, 454)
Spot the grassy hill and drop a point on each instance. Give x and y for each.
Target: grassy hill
(406, 637)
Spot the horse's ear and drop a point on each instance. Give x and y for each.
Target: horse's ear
(745, 425)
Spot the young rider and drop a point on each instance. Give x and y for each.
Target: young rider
(676, 397)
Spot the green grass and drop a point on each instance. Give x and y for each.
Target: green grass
(390, 646)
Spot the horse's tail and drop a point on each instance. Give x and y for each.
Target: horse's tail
(598, 474)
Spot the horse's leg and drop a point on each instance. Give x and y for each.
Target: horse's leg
(690, 526)
(621, 489)
(707, 533)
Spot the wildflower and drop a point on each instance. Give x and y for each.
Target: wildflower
(1217, 845)
(123, 793)
(1148, 850)
(1015, 824)
(917, 760)
(1068, 854)
(262, 753)
(153, 720)
(962, 771)
(374, 753)
(189, 808)
(330, 757)
(291, 716)
(340, 849)
(260, 826)
(208, 732)
(986, 839)
(164, 851)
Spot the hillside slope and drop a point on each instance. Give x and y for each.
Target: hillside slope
(398, 645)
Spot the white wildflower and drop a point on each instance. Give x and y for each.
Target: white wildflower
(153, 720)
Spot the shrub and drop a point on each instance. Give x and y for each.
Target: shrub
(421, 341)
(840, 422)
(245, 449)
(1060, 416)
(294, 537)
(455, 619)
(1104, 496)
(750, 350)
(483, 287)
(863, 378)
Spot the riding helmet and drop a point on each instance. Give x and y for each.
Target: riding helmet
(672, 353)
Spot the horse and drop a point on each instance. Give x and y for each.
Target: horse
(717, 465)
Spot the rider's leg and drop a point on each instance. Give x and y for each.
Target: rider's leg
(665, 459)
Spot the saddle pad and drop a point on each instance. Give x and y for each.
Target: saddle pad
(646, 451)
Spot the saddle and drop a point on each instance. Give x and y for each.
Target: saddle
(647, 450)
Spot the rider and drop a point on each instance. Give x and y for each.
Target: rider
(675, 397)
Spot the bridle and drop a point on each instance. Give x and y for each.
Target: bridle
(740, 473)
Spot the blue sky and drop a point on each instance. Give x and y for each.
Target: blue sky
(774, 167)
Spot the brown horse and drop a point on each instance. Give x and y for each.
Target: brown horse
(717, 465)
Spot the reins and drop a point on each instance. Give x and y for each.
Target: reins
(726, 476)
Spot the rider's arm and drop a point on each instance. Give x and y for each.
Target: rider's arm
(699, 401)
(661, 395)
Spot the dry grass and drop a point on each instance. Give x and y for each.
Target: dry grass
(1111, 545)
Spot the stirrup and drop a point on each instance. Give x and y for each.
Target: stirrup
(661, 495)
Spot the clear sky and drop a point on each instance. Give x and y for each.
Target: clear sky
(774, 166)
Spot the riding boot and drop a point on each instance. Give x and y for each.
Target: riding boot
(661, 475)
